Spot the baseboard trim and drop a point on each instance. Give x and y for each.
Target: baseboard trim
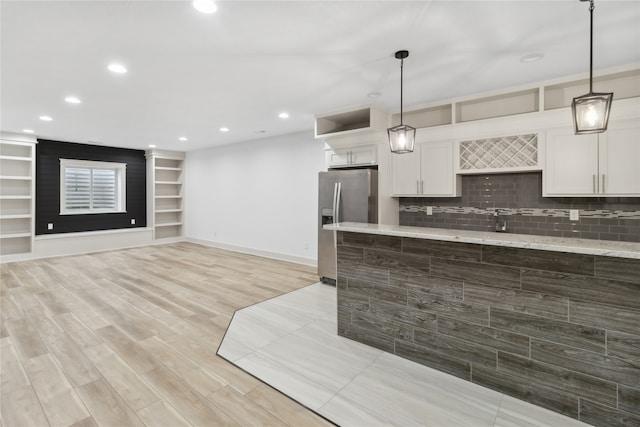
(251, 251)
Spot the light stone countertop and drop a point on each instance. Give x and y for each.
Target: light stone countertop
(548, 243)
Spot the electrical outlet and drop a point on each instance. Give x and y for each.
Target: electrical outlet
(429, 210)
(574, 215)
(133, 221)
(50, 226)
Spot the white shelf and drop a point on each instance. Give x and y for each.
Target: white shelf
(168, 224)
(16, 158)
(165, 168)
(168, 210)
(15, 235)
(8, 197)
(18, 216)
(169, 182)
(16, 178)
(169, 197)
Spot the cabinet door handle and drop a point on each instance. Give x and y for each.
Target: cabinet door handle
(594, 184)
(421, 187)
(417, 187)
(603, 190)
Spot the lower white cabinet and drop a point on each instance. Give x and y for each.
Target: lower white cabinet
(353, 156)
(604, 164)
(427, 172)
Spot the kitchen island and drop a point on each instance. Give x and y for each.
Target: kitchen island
(553, 321)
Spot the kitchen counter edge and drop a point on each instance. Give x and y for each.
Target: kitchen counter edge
(548, 243)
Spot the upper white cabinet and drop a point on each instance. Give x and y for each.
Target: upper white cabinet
(352, 156)
(605, 164)
(620, 159)
(427, 172)
(17, 169)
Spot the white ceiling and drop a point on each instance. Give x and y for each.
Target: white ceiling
(190, 73)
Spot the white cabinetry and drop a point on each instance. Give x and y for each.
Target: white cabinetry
(17, 169)
(605, 164)
(515, 153)
(352, 156)
(346, 122)
(427, 172)
(165, 173)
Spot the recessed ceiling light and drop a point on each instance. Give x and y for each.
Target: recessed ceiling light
(261, 131)
(374, 94)
(205, 6)
(27, 130)
(72, 100)
(283, 115)
(224, 129)
(183, 138)
(152, 145)
(532, 57)
(45, 118)
(117, 68)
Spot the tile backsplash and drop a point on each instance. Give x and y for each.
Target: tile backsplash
(517, 199)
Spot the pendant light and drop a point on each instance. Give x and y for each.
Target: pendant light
(591, 111)
(402, 137)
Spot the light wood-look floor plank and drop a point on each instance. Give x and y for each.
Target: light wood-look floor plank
(59, 400)
(22, 408)
(125, 381)
(129, 338)
(12, 374)
(161, 414)
(191, 404)
(106, 406)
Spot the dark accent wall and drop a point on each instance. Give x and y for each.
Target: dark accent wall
(48, 155)
(518, 198)
(559, 330)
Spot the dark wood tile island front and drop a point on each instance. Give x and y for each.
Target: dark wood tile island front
(555, 322)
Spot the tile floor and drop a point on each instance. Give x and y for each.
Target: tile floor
(290, 342)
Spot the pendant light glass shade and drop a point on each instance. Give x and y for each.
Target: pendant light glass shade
(402, 138)
(591, 111)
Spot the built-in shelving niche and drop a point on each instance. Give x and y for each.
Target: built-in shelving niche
(623, 85)
(508, 104)
(425, 117)
(16, 194)
(351, 121)
(167, 208)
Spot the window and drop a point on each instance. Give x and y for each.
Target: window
(92, 187)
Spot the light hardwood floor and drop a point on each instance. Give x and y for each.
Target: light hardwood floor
(129, 338)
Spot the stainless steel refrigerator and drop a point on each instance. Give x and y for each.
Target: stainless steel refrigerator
(343, 196)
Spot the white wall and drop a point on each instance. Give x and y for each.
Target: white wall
(260, 195)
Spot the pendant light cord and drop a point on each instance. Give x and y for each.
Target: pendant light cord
(591, 7)
(401, 79)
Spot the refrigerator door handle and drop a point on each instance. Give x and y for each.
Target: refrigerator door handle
(335, 200)
(336, 218)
